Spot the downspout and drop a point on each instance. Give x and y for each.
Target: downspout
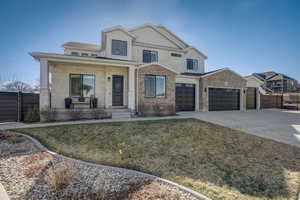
(137, 89)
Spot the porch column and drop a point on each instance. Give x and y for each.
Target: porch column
(44, 85)
(131, 88)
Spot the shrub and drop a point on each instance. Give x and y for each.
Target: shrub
(75, 114)
(157, 110)
(48, 115)
(60, 176)
(32, 114)
(36, 163)
(100, 114)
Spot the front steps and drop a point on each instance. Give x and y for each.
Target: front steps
(119, 113)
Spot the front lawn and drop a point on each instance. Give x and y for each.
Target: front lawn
(219, 162)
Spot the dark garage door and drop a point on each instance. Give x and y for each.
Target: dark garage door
(185, 97)
(251, 98)
(224, 99)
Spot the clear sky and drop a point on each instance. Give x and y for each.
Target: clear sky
(245, 35)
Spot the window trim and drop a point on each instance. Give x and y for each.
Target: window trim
(126, 52)
(81, 85)
(156, 52)
(193, 60)
(165, 88)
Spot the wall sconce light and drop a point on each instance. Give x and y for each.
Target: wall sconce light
(108, 78)
(205, 90)
(244, 91)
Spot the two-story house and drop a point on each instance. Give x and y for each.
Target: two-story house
(277, 82)
(145, 68)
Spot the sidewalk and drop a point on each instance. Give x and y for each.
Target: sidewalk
(16, 125)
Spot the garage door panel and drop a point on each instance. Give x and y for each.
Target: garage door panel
(185, 97)
(224, 99)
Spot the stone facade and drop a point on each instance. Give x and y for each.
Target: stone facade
(158, 105)
(222, 79)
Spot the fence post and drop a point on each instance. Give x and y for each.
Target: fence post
(19, 106)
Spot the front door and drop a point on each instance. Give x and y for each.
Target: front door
(117, 90)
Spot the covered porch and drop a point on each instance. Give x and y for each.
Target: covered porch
(110, 81)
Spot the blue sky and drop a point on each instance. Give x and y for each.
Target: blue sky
(245, 35)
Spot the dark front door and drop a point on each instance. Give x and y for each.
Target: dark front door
(223, 99)
(117, 90)
(185, 97)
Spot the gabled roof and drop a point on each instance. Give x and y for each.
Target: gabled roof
(156, 30)
(269, 75)
(119, 28)
(221, 70)
(255, 77)
(282, 75)
(158, 64)
(171, 33)
(202, 54)
(79, 45)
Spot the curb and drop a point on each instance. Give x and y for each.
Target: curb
(182, 188)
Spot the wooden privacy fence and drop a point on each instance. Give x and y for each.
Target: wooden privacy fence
(271, 101)
(15, 105)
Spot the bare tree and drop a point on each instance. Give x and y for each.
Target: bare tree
(15, 86)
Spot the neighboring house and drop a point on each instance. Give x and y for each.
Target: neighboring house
(145, 67)
(255, 89)
(277, 82)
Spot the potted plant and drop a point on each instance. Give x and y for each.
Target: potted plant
(68, 102)
(94, 102)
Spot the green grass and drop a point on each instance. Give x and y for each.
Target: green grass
(219, 162)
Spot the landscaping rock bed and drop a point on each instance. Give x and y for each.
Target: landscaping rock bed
(26, 172)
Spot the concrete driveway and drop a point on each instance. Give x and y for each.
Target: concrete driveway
(279, 125)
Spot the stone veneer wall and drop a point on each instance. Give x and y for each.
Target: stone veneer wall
(156, 106)
(224, 79)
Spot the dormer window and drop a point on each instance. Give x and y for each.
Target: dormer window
(119, 48)
(192, 64)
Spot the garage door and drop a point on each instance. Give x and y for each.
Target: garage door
(185, 97)
(223, 99)
(251, 98)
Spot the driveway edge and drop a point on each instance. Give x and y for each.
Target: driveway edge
(182, 188)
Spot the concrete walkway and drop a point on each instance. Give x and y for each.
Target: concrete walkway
(16, 125)
(279, 125)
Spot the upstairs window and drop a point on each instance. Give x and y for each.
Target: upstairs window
(192, 64)
(73, 53)
(82, 85)
(150, 56)
(155, 86)
(119, 48)
(94, 55)
(175, 54)
(84, 54)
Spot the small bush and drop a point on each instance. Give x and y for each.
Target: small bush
(48, 115)
(75, 114)
(157, 110)
(32, 114)
(60, 176)
(36, 163)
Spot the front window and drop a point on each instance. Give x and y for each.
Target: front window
(192, 64)
(150, 56)
(119, 48)
(82, 85)
(155, 86)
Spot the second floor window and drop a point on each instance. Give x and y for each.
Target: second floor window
(149, 56)
(192, 64)
(119, 48)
